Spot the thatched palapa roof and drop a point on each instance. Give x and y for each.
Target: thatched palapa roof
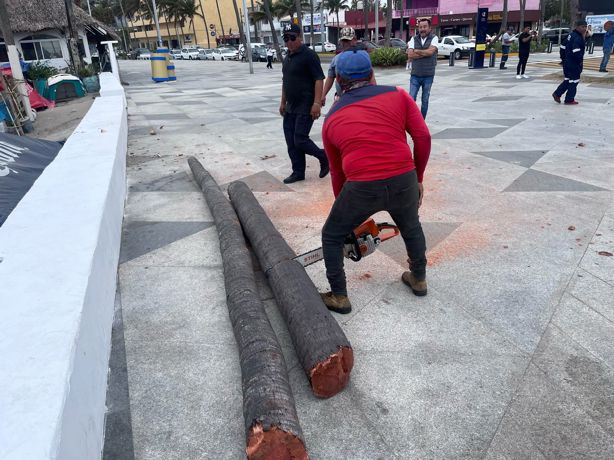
(37, 15)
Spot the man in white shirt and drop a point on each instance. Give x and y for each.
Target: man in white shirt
(270, 53)
(506, 44)
(422, 52)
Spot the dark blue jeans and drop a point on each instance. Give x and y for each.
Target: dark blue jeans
(296, 132)
(505, 50)
(606, 58)
(415, 83)
(360, 200)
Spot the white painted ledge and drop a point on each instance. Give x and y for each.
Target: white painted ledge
(59, 251)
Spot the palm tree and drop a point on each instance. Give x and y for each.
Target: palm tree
(267, 12)
(334, 6)
(202, 12)
(240, 24)
(189, 9)
(217, 4)
(365, 11)
(258, 16)
(388, 22)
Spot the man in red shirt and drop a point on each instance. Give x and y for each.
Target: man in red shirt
(372, 170)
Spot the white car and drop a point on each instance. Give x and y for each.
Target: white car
(328, 47)
(228, 54)
(175, 54)
(189, 53)
(205, 54)
(455, 44)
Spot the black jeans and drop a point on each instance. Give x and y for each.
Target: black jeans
(269, 62)
(296, 132)
(522, 63)
(360, 200)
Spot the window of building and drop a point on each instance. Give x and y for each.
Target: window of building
(41, 46)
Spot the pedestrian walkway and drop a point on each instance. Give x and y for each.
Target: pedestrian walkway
(509, 356)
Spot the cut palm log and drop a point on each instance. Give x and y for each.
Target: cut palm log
(271, 423)
(321, 346)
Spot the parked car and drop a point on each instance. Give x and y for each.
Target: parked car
(369, 45)
(457, 44)
(189, 53)
(553, 34)
(395, 43)
(228, 54)
(140, 53)
(175, 54)
(259, 51)
(328, 47)
(205, 54)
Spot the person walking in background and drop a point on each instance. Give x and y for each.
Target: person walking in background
(372, 170)
(270, 53)
(301, 102)
(506, 43)
(588, 38)
(524, 49)
(347, 40)
(608, 44)
(422, 51)
(573, 65)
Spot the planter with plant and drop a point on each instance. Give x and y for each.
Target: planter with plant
(89, 77)
(38, 73)
(388, 57)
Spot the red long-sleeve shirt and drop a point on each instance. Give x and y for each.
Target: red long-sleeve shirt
(365, 138)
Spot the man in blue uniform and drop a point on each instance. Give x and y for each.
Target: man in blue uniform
(572, 67)
(608, 43)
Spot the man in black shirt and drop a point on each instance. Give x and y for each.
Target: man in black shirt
(301, 97)
(524, 48)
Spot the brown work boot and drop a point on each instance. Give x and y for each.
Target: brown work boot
(337, 303)
(417, 286)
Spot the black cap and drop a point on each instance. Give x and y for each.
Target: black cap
(292, 29)
(580, 23)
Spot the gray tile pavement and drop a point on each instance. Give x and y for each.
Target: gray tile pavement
(510, 354)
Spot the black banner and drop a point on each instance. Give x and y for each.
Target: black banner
(22, 160)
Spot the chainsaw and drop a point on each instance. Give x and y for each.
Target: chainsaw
(363, 241)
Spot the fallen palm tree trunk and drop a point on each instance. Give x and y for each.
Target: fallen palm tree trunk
(321, 346)
(271, 423)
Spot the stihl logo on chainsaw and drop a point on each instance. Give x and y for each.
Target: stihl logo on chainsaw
(363, 241)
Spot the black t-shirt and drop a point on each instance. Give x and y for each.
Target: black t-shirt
(524, 47)
(300, 71)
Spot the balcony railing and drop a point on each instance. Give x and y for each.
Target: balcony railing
(416, 12)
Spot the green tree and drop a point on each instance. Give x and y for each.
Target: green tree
(269, 15)
(334, 6)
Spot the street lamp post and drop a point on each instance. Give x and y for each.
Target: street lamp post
(155, 14)
(248, 40)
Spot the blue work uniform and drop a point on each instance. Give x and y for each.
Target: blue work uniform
(572, 66)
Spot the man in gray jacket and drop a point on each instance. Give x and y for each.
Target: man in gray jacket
(422, 51)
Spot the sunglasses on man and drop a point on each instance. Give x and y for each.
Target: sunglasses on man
(289, 38)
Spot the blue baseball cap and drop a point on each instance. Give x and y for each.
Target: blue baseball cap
(353, 64)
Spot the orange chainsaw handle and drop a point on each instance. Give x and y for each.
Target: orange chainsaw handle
(386, 235)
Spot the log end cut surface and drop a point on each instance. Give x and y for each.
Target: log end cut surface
(274, 444)
(331, 376)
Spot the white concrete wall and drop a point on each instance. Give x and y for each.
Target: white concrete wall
(59, 252)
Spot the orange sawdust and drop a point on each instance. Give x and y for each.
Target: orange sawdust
(459, 245)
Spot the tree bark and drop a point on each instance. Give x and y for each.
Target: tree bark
(321, 346)
(388, 22)
(299, 15)
(269, 16)
(365, 11)
(217, 4)
(240, 24)
(200, 3)
(271, 423)
(522, 4)
(311, 25)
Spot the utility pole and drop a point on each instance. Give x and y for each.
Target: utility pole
(89, 8)
(155, 15)
(9, 40)
(73, 51)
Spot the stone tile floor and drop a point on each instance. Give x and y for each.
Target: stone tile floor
(509, 356)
